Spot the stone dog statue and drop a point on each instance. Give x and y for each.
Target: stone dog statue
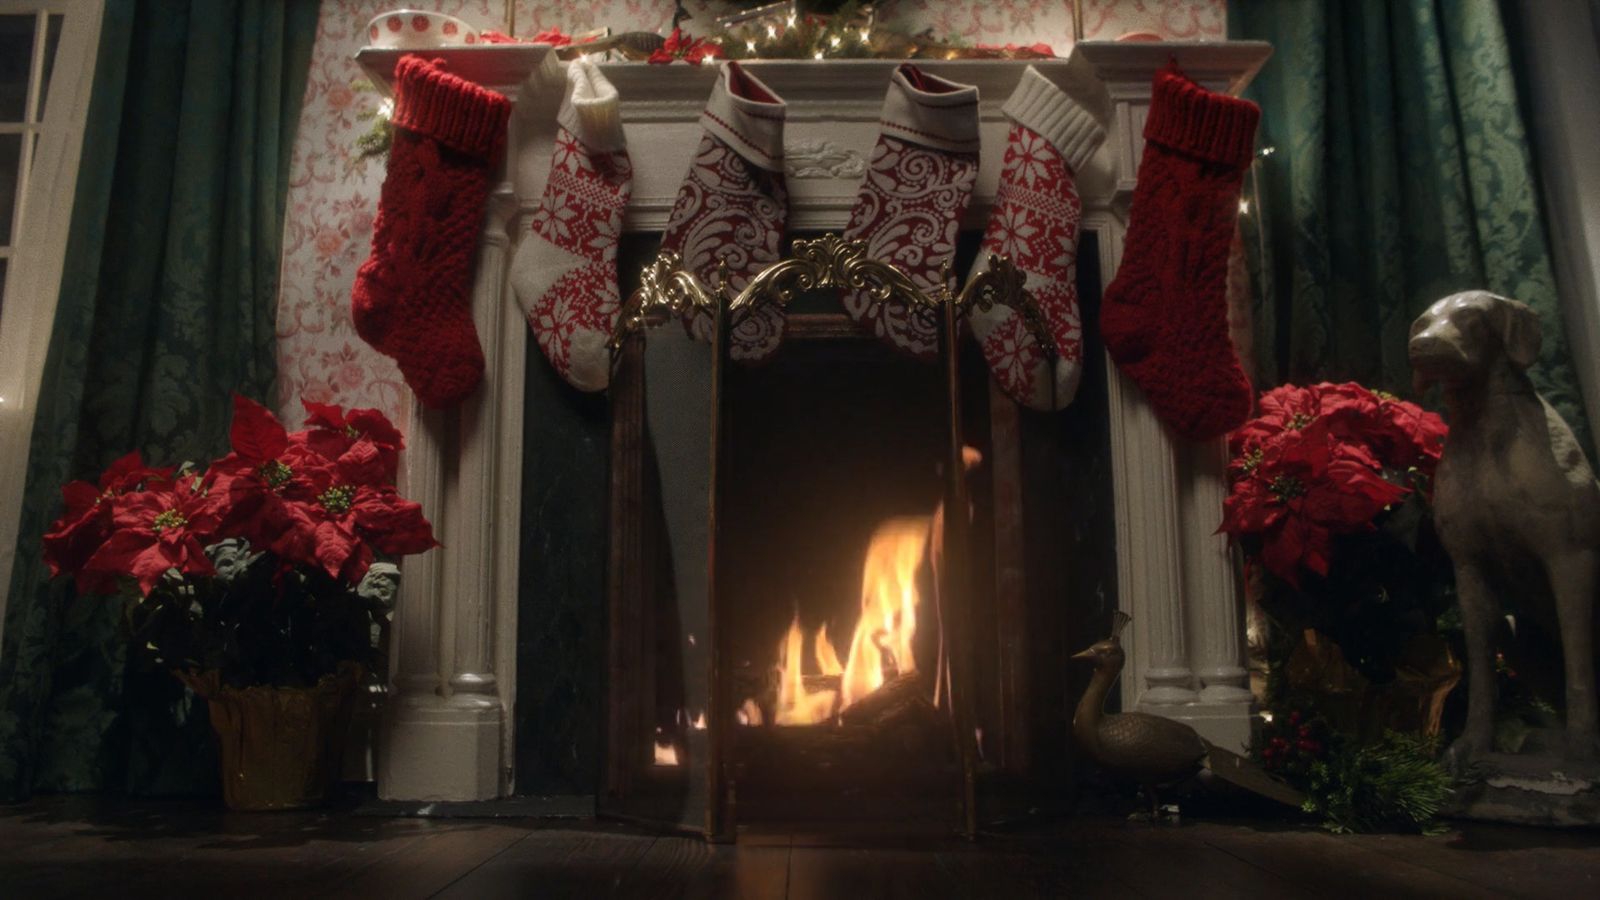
(1513, 495)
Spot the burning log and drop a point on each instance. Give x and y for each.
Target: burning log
(901, 697)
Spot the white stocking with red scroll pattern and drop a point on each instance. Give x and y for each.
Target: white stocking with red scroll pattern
(565, 273)
(1035, 224)
(909, 208)
(734, 203)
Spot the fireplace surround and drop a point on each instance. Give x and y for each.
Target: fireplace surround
(448, 729)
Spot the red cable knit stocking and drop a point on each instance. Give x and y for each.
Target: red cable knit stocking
(412, 297)
(1165, 317)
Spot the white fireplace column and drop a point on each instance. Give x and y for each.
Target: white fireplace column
(447, 725)
(1174, 573)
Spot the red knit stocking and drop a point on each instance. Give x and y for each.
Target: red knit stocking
(1165, 317)
(909, 208)
(412, 297)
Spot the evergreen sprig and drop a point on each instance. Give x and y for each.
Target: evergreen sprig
(1395, 784)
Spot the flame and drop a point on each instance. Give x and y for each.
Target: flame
(881, 646)
(889, 602)
(796, 705)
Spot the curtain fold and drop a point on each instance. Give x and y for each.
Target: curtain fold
(166, 309)
(1401, 173)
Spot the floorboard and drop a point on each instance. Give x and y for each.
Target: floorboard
(84, 847)
(1328, 865)
(581, 862)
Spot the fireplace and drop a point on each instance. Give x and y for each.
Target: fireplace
(833, 613)
(514, 668)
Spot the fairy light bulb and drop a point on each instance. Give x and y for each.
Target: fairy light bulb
(833, 41)
(772, 31)
(750, 46)
(817, 55)
(866, 35)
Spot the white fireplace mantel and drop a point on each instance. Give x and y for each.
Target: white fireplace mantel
(448, 726)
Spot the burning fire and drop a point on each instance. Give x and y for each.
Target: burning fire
(881, 646)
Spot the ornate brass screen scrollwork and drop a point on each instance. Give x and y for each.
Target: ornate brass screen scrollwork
(825, 262)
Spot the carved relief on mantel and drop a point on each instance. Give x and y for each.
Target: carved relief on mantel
(448, 731)
(822, 159)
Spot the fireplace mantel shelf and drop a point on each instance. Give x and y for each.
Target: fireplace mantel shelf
(447, 730)
(505, 67)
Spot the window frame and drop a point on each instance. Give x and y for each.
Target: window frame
(36, 258)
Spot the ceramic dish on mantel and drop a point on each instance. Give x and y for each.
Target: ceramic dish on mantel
(415, 29)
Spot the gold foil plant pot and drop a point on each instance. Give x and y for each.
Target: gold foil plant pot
(1412, 703)
(281, 747)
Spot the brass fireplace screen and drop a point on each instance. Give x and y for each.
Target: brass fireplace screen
(705, 801)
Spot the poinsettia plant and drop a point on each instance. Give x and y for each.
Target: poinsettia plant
(1322, 461)
(1329, 496)
(269, 565)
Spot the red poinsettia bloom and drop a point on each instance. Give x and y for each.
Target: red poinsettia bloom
(86, 523)
(331, 432)
(155, 531)
(1297, 493)
(354, 513)
(1406, 436)
(552, 36)
(1401, 435)
(681, 46)
(267, 467)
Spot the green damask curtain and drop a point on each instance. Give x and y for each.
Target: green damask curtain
(166, 308)
(1401, 174)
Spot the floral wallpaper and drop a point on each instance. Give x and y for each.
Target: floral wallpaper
(333, 199)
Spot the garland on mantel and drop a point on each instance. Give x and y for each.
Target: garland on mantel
(783, 30)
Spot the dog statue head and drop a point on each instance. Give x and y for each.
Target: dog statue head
(1462, 337)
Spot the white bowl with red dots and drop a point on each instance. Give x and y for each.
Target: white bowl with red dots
(415, 29)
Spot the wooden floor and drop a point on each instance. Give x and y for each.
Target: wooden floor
(83, 847)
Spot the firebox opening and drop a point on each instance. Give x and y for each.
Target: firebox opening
(835, 457)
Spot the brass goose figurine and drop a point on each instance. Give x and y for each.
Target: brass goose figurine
(1154, 751)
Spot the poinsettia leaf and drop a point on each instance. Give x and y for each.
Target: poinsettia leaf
(79, 497)
(371, 423)
(257, 435)
(323, 415)
(130, 465)
(334, 545)
(363, 464)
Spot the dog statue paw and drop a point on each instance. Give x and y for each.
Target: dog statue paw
(1464, 753)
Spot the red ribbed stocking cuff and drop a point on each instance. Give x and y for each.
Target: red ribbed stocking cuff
(450, 109)
(1204, 124)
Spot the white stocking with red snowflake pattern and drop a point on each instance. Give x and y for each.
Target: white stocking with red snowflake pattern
(1035, 223)
(909, 208)
(565, 273)
(733, 204)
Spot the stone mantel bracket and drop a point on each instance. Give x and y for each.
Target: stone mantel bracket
(447, 732)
